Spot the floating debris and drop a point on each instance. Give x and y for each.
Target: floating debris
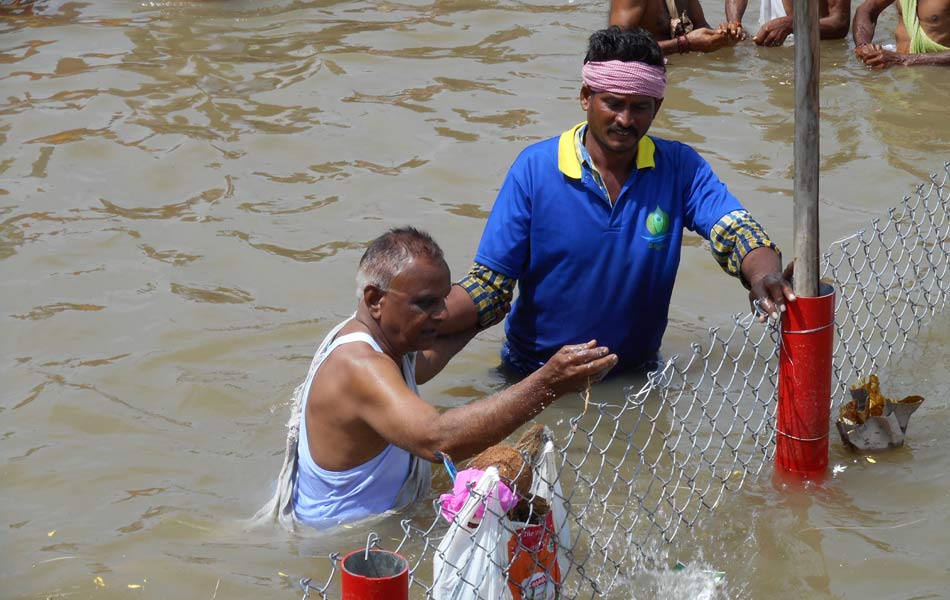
(716, 576)
(870, 421)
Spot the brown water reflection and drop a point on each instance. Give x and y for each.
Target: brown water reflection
(185, 189)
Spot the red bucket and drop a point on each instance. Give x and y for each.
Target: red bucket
(374, 575)
(804, 384)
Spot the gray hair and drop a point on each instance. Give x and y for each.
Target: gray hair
(389, 254)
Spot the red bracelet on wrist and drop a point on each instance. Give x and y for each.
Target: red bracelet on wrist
(682, 44)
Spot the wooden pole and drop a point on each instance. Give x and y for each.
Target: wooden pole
(805, 21)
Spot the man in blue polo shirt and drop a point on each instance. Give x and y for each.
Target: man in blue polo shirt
(590, 224)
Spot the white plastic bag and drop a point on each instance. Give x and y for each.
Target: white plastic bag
(469, 562)
(536, 553)
(546, 485)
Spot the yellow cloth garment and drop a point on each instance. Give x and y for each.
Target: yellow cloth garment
(919, 42)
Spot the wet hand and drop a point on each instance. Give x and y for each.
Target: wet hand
(876, 57)
(774, 32)
(577, 366)
(863, 49)
(733, 31)
(708, 40)
(770, 293)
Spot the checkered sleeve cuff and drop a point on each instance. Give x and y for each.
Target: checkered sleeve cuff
(490, 291)
(734, 236)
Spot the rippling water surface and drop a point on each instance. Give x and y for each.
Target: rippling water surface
(185, 190)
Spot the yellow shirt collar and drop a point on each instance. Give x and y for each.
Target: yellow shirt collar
(568, 155)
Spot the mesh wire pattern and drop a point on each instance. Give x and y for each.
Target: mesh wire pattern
(632, 475)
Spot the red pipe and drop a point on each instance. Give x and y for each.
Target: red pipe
(374, 575)
(804, 384)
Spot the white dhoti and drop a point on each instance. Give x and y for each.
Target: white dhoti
(771, 9)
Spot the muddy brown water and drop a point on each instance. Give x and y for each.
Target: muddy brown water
(185, 190)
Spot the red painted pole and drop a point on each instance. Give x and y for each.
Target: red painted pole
(804, 384)
(804, 387)
(374, 575)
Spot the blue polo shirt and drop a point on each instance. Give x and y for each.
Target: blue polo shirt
(586, 269)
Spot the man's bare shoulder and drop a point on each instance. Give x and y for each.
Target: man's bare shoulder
(358, 364)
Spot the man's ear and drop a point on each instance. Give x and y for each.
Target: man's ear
(656, 106)
(586, 94)
(373, 299)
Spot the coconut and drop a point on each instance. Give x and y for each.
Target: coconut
(517, 473)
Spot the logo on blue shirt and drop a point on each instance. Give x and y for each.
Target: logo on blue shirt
(658, 224)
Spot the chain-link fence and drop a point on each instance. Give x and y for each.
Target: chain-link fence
(626, 477)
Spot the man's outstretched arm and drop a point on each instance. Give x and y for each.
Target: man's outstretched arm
(877, 57)
(382, 400)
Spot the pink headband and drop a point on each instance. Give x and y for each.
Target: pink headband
(620, 77)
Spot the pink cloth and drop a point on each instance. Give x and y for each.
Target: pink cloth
(452, 503)
(620, 77)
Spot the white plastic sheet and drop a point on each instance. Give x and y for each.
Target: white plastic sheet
(470, 561)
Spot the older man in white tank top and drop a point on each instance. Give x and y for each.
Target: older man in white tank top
(365, 436)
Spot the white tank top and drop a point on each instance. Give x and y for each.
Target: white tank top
(323, 498)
